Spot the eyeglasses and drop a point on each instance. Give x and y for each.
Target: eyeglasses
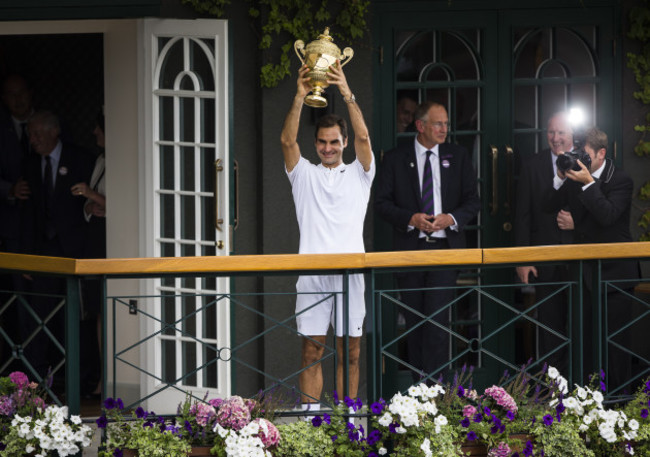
(439, 125)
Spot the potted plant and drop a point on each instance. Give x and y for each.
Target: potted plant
(142, 434)
(30, 427)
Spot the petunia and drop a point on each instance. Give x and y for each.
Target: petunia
(471, 436)
(110, 403)
(548, 420)
(644, 413)
(461, 392)
(376, 407)
(102, 422)
(465, 422)
(317, 421)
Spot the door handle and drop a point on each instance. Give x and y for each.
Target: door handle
(494, 206)
(510, 156)
(218, 168)
(236, 219)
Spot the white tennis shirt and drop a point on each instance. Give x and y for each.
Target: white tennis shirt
(331, 205)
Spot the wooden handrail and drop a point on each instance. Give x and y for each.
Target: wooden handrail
(315, 262)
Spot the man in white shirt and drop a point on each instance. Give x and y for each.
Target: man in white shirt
(331, 201)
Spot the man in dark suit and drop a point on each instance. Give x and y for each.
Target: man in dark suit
(14, 149)
(428, 192)
(55, 225)
(535, 227)
(600, 198)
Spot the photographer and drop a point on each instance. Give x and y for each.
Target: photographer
(599, 196)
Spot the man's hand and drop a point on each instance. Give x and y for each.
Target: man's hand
(422, 221)
(20, 190)
(303, 82)
(429, 223)
(565, 220)
(524, 273)
(442, 221)
(583, 176)
(336, 77)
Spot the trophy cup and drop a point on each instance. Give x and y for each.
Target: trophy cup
(319, 55)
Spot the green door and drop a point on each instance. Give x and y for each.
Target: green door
(501, 73)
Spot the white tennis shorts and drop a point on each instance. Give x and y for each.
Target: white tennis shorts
(315, 304)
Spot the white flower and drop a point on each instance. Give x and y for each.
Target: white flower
(597, 396)
(426, 447)
(440, 420)
(633, 424)
(400, 430)
(552, 372)
(382, 451)
(582, 393)
(385, 420)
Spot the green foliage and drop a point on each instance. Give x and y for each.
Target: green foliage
(212, 7)
(291, 20)
(560, 440)
(301, 439)
(640, 66)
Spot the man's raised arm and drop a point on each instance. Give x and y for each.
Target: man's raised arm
(289, 136)
(362, 147)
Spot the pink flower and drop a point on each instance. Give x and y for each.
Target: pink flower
(216, 402)
(233, 413)
(19, 378)
(502, 398)
(269, 433)
(204, 413)
(7, 406)
(469, 411)
(502, 450)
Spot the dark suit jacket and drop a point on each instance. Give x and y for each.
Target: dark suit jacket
(398, 192)
(601, 214)
(533, 226)
(74, 166)
(11, 168)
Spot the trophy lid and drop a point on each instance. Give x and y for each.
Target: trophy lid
(326, 35)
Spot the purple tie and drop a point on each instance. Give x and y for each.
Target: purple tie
(427, 186)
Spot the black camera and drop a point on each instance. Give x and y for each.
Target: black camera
(568, 160)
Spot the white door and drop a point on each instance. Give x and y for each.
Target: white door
(185, 71)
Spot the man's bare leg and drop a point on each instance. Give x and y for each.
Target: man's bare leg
(311, 379)
(353, 372)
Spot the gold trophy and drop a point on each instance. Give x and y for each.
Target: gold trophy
(319, 55)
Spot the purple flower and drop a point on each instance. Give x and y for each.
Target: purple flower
(216, 402)
(102, 422)
(119, 403)
(393, 427)
(510, 415)
(348, 402)
(373, 437)
(461, 392)
(465, 422)
(376, 408)
(528, 449)
(471, 436)
(358, 404)
(334, 438)
(548, 420)
(117, 452)
(335, 397)
(487, 411)
(560, 408)
(110, 403)
(478, 418)
(316, 421)
(603, 387)
(644, 413)
(140, 413)
(327, 419)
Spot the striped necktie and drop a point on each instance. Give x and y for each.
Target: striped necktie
(427, 186)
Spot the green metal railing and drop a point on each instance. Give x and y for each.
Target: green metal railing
(476, 345)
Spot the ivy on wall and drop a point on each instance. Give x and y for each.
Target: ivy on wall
(290, 20)
(640, 65)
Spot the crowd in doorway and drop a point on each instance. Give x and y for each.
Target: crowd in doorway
(52, 203)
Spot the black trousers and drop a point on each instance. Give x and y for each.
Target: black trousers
(427, 343)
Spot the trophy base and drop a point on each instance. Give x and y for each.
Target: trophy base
(315, 101)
